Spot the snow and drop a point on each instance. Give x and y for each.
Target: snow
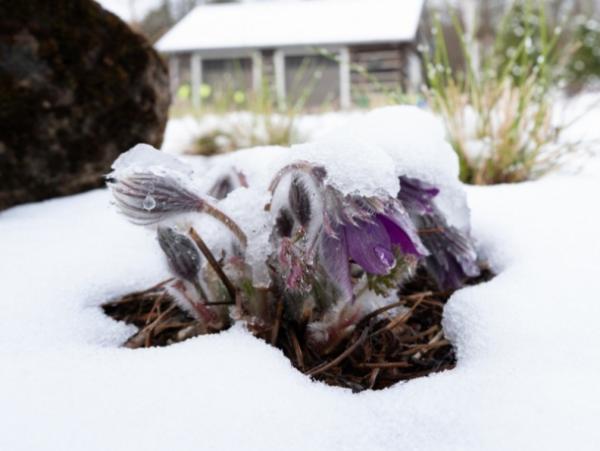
(415, 141)
(353, 166)
(285, 23)
(144, 156)
(383, 145)
(365, 156)
(247, 207)
(395, 130)
(527, 376)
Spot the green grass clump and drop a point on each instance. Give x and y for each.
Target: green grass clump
(499, 112)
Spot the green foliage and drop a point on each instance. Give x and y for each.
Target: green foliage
(522, 41)
(498, 113)
(585, 64)
(382, 285)
(251, 118)
(264, 121)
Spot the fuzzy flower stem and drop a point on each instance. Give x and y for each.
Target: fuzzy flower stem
(213, 263)
(201, 292)
(227, 221)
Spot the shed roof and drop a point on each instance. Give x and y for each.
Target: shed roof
(290, 23)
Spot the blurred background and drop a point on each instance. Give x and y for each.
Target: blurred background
(516, 82)
(287, 61)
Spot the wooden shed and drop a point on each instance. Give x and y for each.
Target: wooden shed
(319, 47)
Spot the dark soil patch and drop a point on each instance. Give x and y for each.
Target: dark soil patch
(396, 343)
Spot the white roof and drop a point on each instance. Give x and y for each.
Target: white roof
(293, 23)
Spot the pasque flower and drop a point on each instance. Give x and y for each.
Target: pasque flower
(148, 197)
(226, 183)
(182, 254)
(321, 233)
(329, 251)
(327, 242)
(452, 257)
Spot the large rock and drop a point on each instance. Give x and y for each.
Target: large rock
(77, 88)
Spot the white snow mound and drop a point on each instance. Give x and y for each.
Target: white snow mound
(525, 377)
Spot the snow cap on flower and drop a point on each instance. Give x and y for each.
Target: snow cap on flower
(226, 183)
(317, 226)
(148, 198)
(149, 186)
(351, 166)
(414, 141)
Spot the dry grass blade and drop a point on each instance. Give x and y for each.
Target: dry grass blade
(382, 350)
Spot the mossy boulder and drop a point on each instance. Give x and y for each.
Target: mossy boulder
(77, 88)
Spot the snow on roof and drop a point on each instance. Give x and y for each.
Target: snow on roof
(293, 23)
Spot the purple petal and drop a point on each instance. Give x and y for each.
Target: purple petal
(403, 233)
(334, 259)
(370, 246)
(182, 253)
(417, 196)
(453, 257)
(398, 236)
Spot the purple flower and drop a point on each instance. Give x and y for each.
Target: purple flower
(148, 198)
(227, 183)
(182, 254)
(416, 196)
(452, 257)
(319, 229)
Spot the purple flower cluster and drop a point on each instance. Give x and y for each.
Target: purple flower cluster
(322, 232)
(327, 250)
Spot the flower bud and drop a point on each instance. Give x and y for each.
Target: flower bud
(148, 198)
(182, 253)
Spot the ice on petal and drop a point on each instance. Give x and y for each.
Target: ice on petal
(144, 156)
(149, 203)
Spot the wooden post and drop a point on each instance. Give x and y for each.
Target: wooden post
(174, 74)
(345, 79)
(279, 68)
(257, 71)
(196, 79)
(413, 70)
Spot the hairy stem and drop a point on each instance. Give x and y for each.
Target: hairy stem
(213, 263)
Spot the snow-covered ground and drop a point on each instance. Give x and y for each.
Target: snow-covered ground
(527, 343)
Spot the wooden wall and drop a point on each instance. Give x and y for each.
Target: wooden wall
(386, 65)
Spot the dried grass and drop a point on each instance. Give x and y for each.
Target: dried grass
(396, 343)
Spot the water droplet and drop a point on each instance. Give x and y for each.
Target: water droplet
(385, 256)
(149, 203)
